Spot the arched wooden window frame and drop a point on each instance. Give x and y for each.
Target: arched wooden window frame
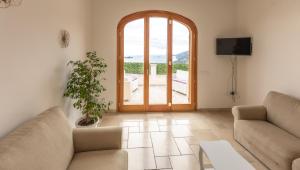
(120, 58)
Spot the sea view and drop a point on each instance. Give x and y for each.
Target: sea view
(181, 58)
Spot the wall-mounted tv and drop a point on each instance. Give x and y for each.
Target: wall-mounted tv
(234, 46)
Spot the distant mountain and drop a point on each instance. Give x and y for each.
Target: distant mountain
(182, 58)
(140, 59)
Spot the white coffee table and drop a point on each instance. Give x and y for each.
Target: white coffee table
(222, 156)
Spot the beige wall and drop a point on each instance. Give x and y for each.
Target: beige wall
(32, 63)
(213, 18)
(275, 64)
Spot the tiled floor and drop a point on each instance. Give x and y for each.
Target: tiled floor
(170, 140)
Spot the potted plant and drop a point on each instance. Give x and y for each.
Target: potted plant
(84, 87)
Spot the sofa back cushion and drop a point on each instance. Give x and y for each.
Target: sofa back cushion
(284, 112)
(42, 143)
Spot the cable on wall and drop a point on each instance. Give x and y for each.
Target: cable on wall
(233, 91)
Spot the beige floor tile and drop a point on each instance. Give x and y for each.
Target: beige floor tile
(201, 135)
(179, 131)
(149, 126)
(164, 128)
(132, 116)
(163, 162)
(219, 120)
(183, 115)
(124, 144)
(163, 122)
(185, 129)
(149, 122)
(130, 123)
(227, 134)
(139, 140)
(216, 125)
(164, 144)
(153, 115)
(185, 162)
(223, 133)
(183, 146)
(134, 129)
(140, 159)
(134, 119)
(199, 124)
(125, 133)
(181, 122)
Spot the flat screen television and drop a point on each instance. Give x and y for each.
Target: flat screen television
(234, 46)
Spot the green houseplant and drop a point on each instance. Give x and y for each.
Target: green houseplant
(84, 87)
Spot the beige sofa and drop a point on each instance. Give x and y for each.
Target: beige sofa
(48, 143)
(271, 132)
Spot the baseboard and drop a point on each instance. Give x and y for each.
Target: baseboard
(214, 110)
(199, 110)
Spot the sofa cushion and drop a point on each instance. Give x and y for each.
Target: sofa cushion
(284, 112)
(273, 146)
(42, 143)
(100, 160)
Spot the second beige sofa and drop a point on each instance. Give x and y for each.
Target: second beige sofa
(48, 143)
(271, 131)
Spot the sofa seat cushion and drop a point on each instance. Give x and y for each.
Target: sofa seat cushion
(272, 145)
(100, 160)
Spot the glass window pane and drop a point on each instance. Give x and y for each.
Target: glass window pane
(158, 61)
(133, 87)
(181, 64)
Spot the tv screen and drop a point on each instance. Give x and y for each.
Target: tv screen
(234, 46)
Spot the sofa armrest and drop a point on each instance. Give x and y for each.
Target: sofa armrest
(249, 113)
(296, 164)
(91, 139)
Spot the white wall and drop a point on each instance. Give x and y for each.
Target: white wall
(32, 63)
(275, 64)
(214, 18)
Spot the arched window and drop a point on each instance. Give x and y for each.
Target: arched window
(157, 63)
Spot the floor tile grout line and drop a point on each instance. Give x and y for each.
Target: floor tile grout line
(188, 144)
(128, 139)
(170, 162)
(140, 148)
(153, 150)
(175, 143)
(181, 154)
